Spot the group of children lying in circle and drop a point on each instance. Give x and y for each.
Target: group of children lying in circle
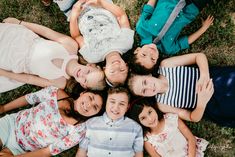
(101, 32)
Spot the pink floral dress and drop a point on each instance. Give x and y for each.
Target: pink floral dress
(42, 126)
(171, 142)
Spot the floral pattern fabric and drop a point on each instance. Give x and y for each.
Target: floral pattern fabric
(42, 126)
(171, 142)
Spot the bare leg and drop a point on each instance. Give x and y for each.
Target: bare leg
(6, 151)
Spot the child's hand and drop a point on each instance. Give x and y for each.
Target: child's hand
(208, 22)
(205, 93)
(11, 20)
(96, 3)
(78, 6)
(204, 77)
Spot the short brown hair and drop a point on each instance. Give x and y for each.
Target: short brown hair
(119, 90)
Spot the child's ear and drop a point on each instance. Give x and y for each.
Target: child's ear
(81, 93)
(136, 50)
(129, 106)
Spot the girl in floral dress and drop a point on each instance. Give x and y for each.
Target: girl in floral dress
(52, 126)
(166, 135)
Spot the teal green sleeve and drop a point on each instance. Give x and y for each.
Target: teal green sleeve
(180, 44)
(146, 12)
(142, 25)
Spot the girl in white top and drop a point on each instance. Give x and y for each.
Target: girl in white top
(28, 58)
(166, 136)
(103, 32)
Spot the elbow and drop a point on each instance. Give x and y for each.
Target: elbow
(201, 55)
(195, 119)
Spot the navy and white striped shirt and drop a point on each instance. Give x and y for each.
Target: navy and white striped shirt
(119, 138)
(182, 85)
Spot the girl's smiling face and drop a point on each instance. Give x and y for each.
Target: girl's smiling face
(144, 85)
(148, 117)
(88, 104)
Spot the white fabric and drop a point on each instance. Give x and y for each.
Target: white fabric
(171, 142)
(23, 51)
(44, 52)
(102, 35)
(66, 6)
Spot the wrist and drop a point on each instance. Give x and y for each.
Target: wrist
(204, 28)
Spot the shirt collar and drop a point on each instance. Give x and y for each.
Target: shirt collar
(109, 121)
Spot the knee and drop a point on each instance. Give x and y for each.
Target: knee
(7, 151)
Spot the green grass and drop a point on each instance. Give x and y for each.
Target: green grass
(218, 43)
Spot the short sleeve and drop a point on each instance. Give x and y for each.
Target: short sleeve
(73, 138)
(139, 142)
(183, 42)
(147, 11)
(171, 120)
(124, 41)
(179, 44)
(42, 95)
(85, 141)
(142, 26)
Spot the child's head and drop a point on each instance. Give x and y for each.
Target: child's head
(90, 77)
(116, 70)
(86, 105)
(143, 85)
(117, 102)
(146, 113)
(144, 59)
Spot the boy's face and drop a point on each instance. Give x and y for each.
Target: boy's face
(147, 55)
(116, 105)
(116, 70)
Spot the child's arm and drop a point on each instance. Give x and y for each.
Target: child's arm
(33, 79)
(150, 149)
(81, 153)
(152, 2)
(44, 152)
(139, 154)
(17, 103)
(190, 138)
(69, 44)
(182, 113)
(204, 94)
(205, 25)
(31, 98)
(190, 59)
(116, 10)
(73, 24)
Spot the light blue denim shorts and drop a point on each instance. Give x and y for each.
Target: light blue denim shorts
(7, 134)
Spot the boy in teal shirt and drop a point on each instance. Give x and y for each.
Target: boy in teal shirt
(153, 19)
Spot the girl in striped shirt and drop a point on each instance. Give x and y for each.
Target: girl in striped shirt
(188, 91)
